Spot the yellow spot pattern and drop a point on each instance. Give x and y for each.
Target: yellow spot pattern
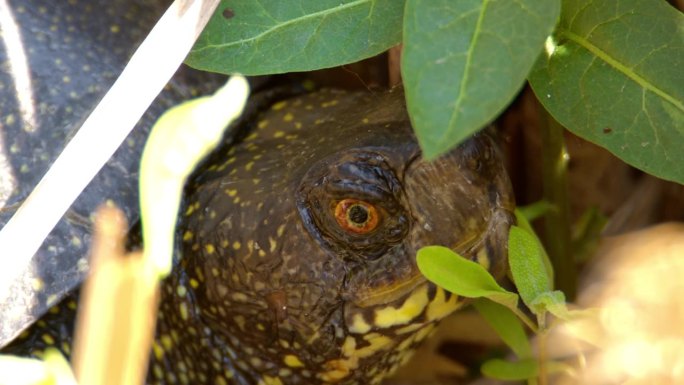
(210, 248)
(359, 325)
(48, 339)
(440, 307)
(268, 380)
(411, 308)
(279, 106)
(293, 361)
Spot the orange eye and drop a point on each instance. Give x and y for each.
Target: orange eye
(356, 216)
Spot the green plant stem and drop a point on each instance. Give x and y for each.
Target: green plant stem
(541, 338)
(525, 319)
(557, 221)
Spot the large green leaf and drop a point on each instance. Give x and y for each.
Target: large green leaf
(256, 37)
(464, 61)
(614, 74)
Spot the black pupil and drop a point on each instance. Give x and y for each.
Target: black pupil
(358, 214)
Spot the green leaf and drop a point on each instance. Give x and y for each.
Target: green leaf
(525, 225)
(612, 74)
(525, 257)
(535, 210)
(553, 302)
(275, 36)
(461, 276)
(464, 61)
(510, 371)
(507, 325)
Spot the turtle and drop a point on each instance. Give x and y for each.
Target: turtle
(297, 238)
(58, 59)
(297, 243)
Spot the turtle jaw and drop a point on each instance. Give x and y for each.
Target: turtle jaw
(385, 324)
(413, 298)
(376, 296)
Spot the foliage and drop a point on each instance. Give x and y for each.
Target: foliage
(463, 276)
(271, 36)
(610, 72)
(464, 61)
(534, 283)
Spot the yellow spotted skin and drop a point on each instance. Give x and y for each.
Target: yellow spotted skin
(270, 289)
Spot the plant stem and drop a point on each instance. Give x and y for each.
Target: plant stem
(557, 221)
(525, 319)
(541, 337)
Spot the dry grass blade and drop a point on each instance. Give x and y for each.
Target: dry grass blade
(117, 313)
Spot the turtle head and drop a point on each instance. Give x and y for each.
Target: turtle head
(299, 249)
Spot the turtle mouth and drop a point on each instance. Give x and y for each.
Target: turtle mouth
(481, 249)
(374, 296)
(490, 248)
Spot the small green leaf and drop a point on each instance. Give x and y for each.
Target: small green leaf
(553, 302)
(275, 36)
(524, 224)
(612, 74)
(510, 371)
(461, 276)
(507, 326)
(527, 265)
(535, 210)
(464, 61)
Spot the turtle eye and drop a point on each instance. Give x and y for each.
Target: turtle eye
(356, 216)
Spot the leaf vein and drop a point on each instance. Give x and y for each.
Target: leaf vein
(623, 69)
(466, 71)
(324, 13)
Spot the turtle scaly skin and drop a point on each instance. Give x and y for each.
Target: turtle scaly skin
(299, 243)
(297, 247)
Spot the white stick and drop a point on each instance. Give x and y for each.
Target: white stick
(143, 78)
